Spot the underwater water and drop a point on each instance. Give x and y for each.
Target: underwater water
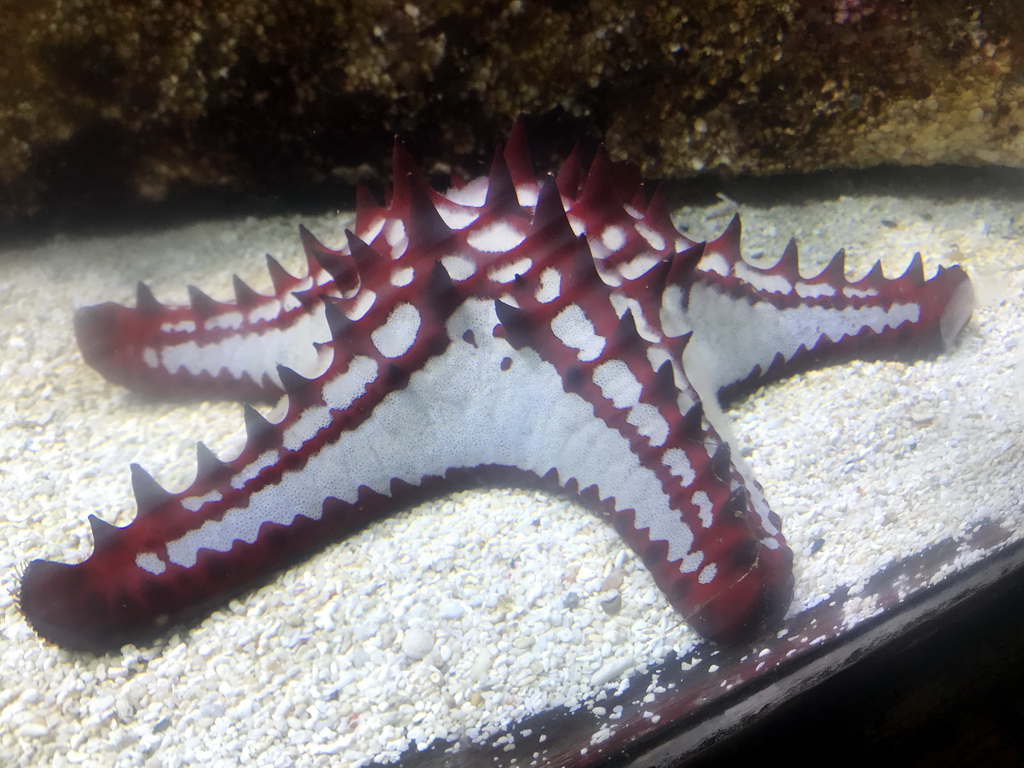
(504, 624)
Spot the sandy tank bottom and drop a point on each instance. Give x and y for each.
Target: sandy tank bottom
(454, 618)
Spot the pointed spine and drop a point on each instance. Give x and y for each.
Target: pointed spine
(728, 243)
(835, 272)
(914, 273)
(721, 462)
(693, 421)
(789, 263)
(875, 278)
(442, 294)
(663, 385)
(549, 219)
(145, 301)
(570, 175)
(426, 228)
(518, 329)
(336, 263)
(626, 335)
(245, 296)
(281, 278)
(369, 263)
(657, 215)
(517, 158)
(291, 382)
(368, 210)
(501, 192)
(337, 321)
(679, 270)
(102, 532)
(598, 192)
(256, 425)
(208, 464)
(203, 306)
(149, 494)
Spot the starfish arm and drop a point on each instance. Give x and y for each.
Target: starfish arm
(215, 349)
(753, 324)
(316, 476)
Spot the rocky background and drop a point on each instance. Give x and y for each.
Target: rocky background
(105, 102)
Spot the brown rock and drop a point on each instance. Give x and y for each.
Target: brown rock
(104, 101)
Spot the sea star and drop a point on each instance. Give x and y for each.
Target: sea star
(561, 333)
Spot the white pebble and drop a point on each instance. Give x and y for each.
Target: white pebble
(417, 643)
(34, 730)
(450, 609)
(611, 670)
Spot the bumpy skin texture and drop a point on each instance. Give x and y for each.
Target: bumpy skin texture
(559, 333)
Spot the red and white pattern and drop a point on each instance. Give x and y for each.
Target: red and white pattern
(559, 332)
